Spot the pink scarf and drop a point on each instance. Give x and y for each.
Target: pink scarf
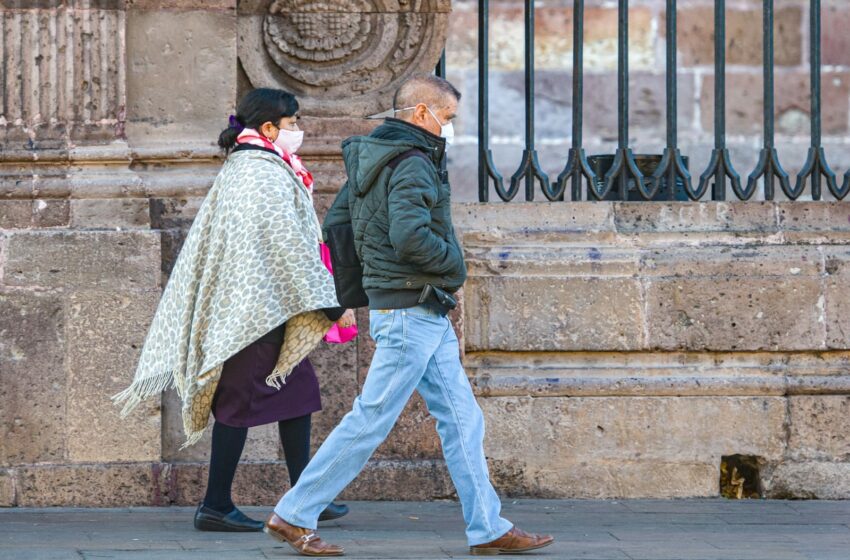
(252, 137)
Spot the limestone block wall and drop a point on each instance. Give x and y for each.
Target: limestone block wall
(622, 349)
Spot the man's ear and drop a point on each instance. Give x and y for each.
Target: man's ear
(421, 112)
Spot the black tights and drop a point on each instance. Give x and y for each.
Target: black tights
(227, 445)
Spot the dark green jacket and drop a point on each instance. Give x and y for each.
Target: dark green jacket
(401, 218)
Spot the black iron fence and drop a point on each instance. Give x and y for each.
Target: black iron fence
(624, 176)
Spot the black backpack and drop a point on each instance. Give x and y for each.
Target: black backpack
(348, 270)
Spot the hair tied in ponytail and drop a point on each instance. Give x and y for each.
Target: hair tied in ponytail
(235, 124)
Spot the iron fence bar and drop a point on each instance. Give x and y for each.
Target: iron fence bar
(845, 187)
(440, 70)
(577, 165)
(768, 166)
(624, 167)
(720, 165)
(816, 166)
(529, 167)
(486, 168)
(672, 165)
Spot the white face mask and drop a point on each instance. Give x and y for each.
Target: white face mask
(289, 140)
(447, 130)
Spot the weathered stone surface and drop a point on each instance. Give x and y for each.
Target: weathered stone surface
(685, 217)
(181, 79)
(15, 214)
(709, 261)
(110, 213)
(735, 313)
(553, 313)
(553, 37)
(745, 108)
(647, 99)
(32, 378)
(7, 488)
(606, 479)
(401, 480)
(104, 340)
(263, 443)
(376, 46)
(734, 299)
(819, 427)
(837, 305)
(263, 483)
(106, 485)
(743, 35)
(553, 98)
(827, 218)
(174, 213)
(260, 483)
(87, 260)
(24, 214)
(51, 213)
(204, 5)
(836, 43)
(653, 429)
(414, 435)
(626, 447)
(74, 88)
(809, 480)
(499, 224)
(336, 368)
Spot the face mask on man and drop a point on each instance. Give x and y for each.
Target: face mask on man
(289, 140)
(447, 130)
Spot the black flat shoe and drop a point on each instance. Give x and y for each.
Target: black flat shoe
(333, 511)
(207, 519)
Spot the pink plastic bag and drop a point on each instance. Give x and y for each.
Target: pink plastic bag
(337, 334)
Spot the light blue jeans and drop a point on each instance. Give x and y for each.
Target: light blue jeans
(416, 350)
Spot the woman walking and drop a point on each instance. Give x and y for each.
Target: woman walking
(248, 299)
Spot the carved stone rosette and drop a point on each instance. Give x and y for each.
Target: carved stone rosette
(341, 57)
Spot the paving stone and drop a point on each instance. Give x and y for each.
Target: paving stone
(584, 530)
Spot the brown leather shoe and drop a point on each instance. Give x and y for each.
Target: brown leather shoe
(515, 540)
(304, 541)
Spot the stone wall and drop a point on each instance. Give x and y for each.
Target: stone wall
(553, 82)
(622, 349)
(617, 350)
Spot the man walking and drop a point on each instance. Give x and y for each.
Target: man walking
(400, 211)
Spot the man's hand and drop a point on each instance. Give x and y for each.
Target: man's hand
(348, 319)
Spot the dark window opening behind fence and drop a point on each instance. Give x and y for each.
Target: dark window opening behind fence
(626, 176)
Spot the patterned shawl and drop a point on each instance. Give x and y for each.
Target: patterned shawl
(251, 262)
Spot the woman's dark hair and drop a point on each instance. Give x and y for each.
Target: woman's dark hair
(259, 106)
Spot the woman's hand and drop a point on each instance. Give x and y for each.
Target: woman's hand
(347, 320)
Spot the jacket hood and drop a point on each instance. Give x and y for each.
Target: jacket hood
(366, 156)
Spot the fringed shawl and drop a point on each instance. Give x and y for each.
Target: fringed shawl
(250, 262)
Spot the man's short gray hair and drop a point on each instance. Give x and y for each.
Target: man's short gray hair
(424, 88)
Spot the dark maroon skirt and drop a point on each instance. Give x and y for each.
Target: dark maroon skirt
(243, 400)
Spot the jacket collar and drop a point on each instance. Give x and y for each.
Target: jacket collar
(397, 129)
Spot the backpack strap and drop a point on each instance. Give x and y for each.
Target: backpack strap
(412, 152)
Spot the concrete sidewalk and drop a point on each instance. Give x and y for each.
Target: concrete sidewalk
(586, 530)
